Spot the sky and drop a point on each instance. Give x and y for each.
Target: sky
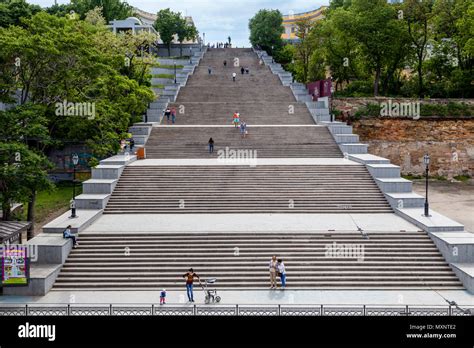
(219, 18)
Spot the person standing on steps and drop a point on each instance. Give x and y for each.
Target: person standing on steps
(189, 276)
(234, 75)
(168, 114)
(209, 69)
(243, 129)
(236, 119)
(225, 63)
(282, 273)
(173, 115)
(163, 297)
(273, 272)
(211, 145)
(242, 70)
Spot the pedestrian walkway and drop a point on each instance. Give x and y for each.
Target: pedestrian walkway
(339, 298)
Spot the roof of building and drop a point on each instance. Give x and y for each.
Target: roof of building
(9, 228)
(313, 15)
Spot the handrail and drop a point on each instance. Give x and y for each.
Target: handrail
(152, 309)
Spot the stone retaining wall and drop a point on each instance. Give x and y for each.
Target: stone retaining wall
(353, 104)
(449, 142)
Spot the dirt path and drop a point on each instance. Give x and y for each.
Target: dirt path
(455, 200)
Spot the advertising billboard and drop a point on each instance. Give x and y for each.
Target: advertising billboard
(15, 265)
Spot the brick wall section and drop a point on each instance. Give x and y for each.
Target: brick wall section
(450, 143)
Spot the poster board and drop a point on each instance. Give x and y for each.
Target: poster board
(15, 265)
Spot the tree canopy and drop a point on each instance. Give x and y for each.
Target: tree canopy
(49, 61)
(371, 47)
(266, 28)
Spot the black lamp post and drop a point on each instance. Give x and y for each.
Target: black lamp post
(174, 62)
(293, 68)
(332, 98)
(426, 161)
(273, 58)
(75, 161)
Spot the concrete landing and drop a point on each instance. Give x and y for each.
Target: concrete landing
(83, 220)
(435, 223)
(263, 297)
(278, 223)
(465, 272)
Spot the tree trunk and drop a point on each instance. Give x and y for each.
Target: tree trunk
(377, 81)
(420, 76)
(181, 49)
(31, 216)
(169, 49)
(6, 208)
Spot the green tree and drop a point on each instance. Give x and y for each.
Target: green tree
(23, 172)
(23, 133)
(166, 25)
(305, 46)
(373, 24)
(12, 11)
(111, 9)
(266, 28)
(69, 60)
(52, 60)
(185, 31)
(418, 16)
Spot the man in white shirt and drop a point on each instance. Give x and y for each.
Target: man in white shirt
(234, 75)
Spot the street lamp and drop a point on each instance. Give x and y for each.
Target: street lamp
(75, 161)
(204, 39)
(293, 69)
(332, 99)
(273, 59)
(174, 62)
(426, 161)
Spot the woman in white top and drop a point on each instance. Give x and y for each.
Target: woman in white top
(282, 273)
(273, 272)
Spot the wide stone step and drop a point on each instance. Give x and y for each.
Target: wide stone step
(98, 186)
(108, 172)
(394, 185)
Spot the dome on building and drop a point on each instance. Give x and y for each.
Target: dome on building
(135, 20)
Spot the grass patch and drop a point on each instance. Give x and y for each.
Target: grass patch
(158, 86)
(412, 177)
(164, 76)
(164, 66)
(421, 177)
(176, 57)
(440, 178)
(49, 202)
(463, 178)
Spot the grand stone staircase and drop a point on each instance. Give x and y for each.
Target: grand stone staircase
(282, 129)
(268, 142)
(240, 189)
(239, 260)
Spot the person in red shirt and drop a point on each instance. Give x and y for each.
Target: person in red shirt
(189, 276)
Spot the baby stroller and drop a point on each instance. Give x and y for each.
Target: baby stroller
(211, 294)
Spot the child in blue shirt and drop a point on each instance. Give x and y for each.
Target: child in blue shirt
(163, 297)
